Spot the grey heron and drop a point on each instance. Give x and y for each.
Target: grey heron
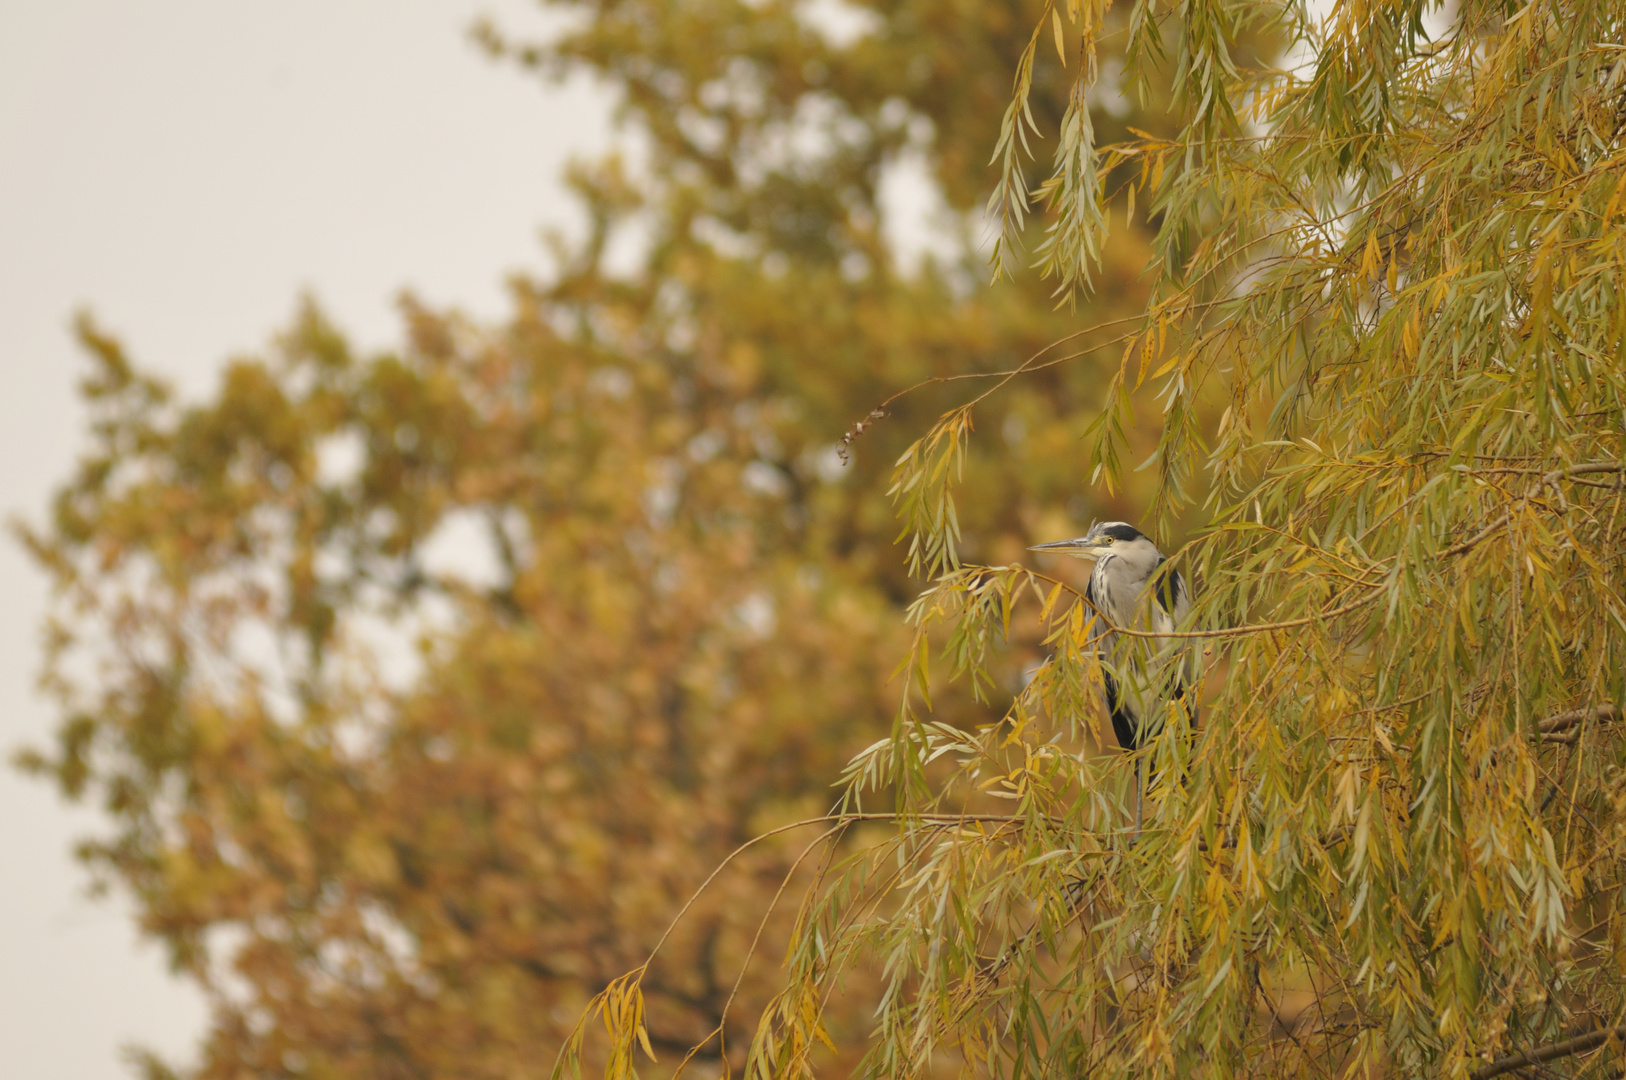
(1140, 678)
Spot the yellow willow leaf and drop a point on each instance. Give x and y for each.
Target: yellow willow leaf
(1615, 198)
(1049, 603)
(1465, 612)
(1061, 40)
(1371, 258)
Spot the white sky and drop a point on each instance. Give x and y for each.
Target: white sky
(185, 168)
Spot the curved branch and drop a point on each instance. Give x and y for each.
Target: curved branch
(1580, 1044)
(1230, 631)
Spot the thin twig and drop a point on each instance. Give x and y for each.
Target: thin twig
(935, 820)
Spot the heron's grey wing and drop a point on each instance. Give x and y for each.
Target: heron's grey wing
(1174, 604)
(1172, 596)
(1098, 614)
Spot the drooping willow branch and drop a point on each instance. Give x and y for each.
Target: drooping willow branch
(935, 820)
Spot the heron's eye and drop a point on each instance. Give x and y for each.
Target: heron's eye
(1106, 540)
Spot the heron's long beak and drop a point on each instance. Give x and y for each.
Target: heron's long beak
(1078, 546)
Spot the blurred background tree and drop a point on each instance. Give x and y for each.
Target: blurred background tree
(421, 689)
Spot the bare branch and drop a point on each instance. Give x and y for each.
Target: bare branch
(1564, 728)
(1580, 1044)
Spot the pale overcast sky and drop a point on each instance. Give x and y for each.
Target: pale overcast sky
(185, 168)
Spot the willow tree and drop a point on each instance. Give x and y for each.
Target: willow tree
(1389, 263)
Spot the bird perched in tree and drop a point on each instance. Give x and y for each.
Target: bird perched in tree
(1141, 675)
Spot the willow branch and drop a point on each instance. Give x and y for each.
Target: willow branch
(1580, 1044)
(1229, 631)
(1563, 728)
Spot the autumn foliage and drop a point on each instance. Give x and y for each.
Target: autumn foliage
(658, 675)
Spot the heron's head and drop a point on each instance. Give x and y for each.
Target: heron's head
(1106, 538)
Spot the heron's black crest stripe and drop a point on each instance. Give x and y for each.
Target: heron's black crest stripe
(1119, 531)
